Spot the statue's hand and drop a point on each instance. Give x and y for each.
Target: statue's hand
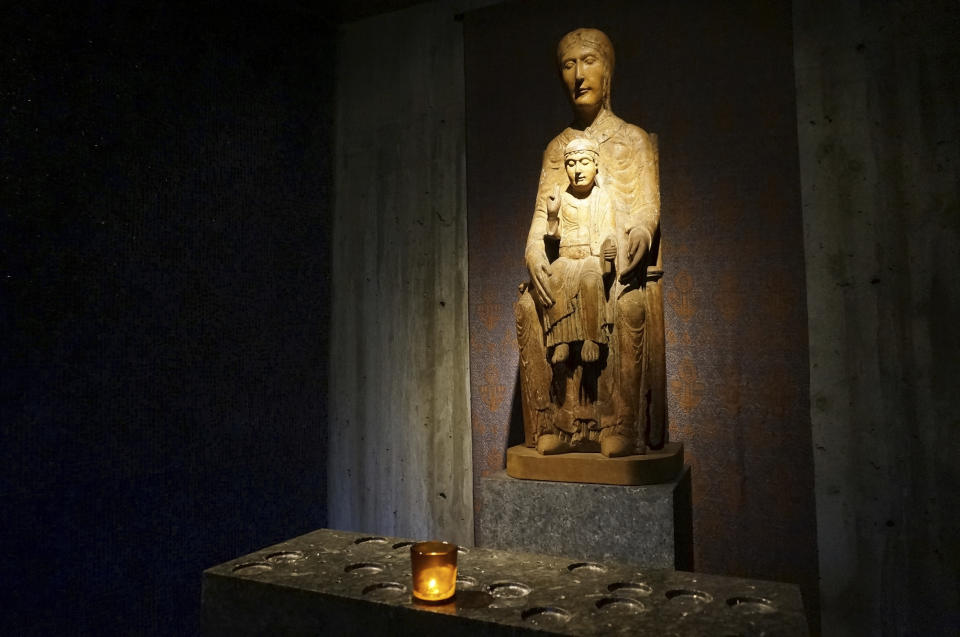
(553, 203)
(638, 244)
(609, 249)
(539, 268)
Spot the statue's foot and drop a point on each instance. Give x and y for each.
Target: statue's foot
(615, 445)
(590, 352)
(550, 443)
(561, 353)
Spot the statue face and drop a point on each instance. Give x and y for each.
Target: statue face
(583, 70)
(581, 170)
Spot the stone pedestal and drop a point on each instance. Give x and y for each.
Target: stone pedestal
(647, 525)
(340, 583)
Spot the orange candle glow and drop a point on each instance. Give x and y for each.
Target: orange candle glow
(434, 566)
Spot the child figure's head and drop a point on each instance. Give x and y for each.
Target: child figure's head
(580, 159)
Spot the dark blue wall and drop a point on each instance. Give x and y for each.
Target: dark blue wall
(165, 179)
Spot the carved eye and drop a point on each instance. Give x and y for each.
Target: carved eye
(590, 59)
(568, 65)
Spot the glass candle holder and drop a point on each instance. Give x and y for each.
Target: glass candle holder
(434, 567)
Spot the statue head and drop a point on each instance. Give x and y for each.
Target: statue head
(580, 161)
(585, 58)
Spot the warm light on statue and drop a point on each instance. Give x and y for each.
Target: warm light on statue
(434, 567)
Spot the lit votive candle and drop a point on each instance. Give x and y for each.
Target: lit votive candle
(434, 566)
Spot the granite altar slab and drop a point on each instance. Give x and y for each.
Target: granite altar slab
(336, 582)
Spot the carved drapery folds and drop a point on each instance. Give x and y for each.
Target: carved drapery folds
(606, 392)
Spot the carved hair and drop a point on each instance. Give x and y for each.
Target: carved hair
(598, 41)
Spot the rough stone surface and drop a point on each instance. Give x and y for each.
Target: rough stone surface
(646, 525)
(878, 110)
(332, 582)
(399, 437)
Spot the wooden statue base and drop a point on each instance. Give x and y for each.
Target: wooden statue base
(653, 467)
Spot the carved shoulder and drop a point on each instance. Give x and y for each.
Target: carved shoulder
(639, 139)
(552, 173)
(553, 154)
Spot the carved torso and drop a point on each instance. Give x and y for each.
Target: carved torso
(585, 221)
(628, 175)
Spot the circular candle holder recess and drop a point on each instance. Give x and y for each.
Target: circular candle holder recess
(285, 557)
(384, 590)
(363, 568)
(621, 605)
(465, 582)
(682, 594)
(509, 590)
(250, 568)
(402, 545)
(434, 569)
(586, 568)
(546, 615)
(752, 605)
(630, 589)
(688, 601)
(373, 539)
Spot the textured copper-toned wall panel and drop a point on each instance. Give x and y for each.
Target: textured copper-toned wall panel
(715, 82)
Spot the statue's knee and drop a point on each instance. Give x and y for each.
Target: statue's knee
(590, 282)
(525, 311)
(525, 306)
(630, 309)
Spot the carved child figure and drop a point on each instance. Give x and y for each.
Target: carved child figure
(582, 218)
